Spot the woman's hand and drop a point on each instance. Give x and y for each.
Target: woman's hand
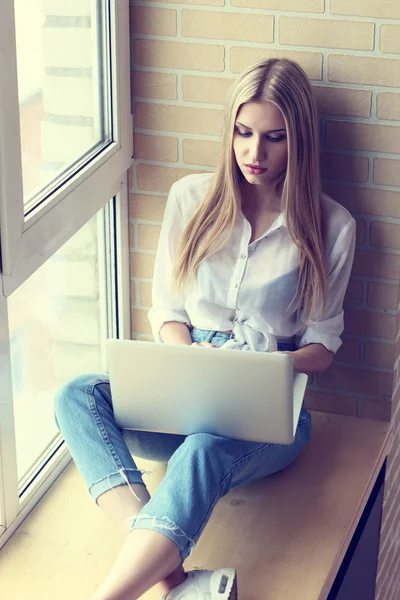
(204, 344)
(314, 358)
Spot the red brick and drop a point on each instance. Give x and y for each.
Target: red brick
(343, 101)
(363, 136)
(383, 295)
(179, 55)
(370, 323)
(349, 351)
(142, 265)
(145, 294)
(377, 409)
(351, 379)
(154, 85)
(346, 167)
(143, 206)
(361, 229)
(379, 354)
(152, 21)
(332, 403)
(160, 179)
(140, 321)
(354, 292)
(243, 56)
(375, 201)
(377, 264)
(386, 171)
(155, 147)
(385, 235)
(185, 119)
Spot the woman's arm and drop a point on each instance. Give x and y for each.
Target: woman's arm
(314, 358)
(168, 307)
(321, 338)
(173, 332)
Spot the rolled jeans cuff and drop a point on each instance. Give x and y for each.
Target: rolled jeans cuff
(114, 480)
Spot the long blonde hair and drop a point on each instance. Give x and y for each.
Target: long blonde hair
(284, 83)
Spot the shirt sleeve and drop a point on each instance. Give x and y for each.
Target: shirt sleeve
(167, 305)
(327, 328)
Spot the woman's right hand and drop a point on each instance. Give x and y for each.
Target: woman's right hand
(204, 344)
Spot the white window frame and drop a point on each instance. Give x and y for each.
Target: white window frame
(27, 243)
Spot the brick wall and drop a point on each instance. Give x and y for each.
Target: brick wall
(185, 55)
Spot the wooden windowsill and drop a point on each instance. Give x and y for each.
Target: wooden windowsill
(286, 534)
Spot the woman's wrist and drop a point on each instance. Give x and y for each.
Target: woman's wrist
(314, 358)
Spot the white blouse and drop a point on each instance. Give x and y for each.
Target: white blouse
(248, 287)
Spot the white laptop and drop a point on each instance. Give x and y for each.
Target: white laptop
(182, 389)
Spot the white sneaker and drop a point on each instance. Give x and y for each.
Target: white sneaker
(206, 585)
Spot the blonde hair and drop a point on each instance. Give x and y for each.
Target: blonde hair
(284, 83)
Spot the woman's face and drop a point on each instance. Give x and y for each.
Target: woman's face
(260, 142)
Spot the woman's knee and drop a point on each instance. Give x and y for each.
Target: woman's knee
(201, 441)
(203, 456)
(73, 392)
(201, 446)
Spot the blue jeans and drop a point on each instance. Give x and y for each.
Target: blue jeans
(201, 467)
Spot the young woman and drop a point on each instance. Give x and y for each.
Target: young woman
(253, 257)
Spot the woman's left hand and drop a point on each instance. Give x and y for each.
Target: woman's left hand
(314, 358)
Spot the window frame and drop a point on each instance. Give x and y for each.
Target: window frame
(28, 242)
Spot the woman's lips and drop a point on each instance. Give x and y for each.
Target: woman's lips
(253, 170)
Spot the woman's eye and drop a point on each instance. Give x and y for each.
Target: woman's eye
(275, 139)
(270, 138)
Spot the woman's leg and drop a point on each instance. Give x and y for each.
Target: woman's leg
(119, 509)
(202, 470)
(146, 558)
(83, 413)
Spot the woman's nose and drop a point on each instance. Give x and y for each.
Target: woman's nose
(257, 150)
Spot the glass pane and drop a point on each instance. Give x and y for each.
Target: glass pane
(63, 87)
(57, 329)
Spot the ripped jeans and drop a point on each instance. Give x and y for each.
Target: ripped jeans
(201, 467)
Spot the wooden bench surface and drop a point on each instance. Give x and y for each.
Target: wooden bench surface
(286, 534)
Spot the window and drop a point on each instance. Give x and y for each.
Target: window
(58, 325)
(65, 147)
(63, 85)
